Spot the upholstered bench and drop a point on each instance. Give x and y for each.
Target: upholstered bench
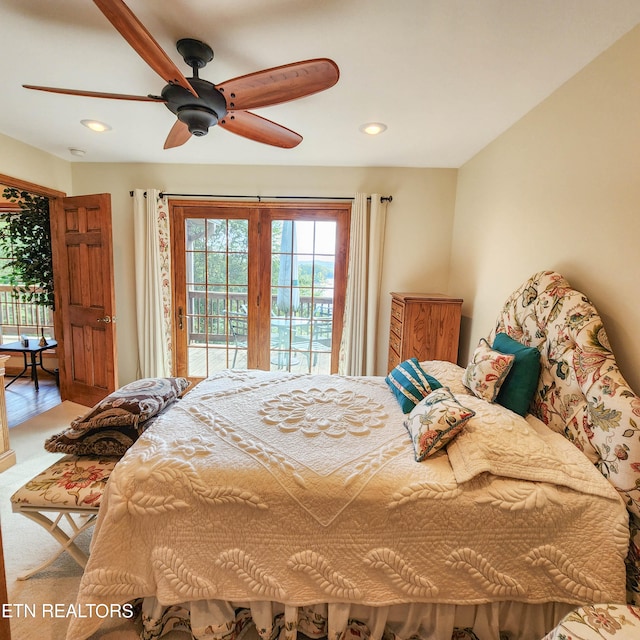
(598, 621)
(72, 488)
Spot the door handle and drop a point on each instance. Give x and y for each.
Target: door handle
(180, 318)
(107, 319)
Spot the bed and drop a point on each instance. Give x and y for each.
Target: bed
(295, 503)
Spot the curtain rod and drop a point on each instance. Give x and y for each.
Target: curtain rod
(259, 198)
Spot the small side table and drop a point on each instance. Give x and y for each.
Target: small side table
(34, 350)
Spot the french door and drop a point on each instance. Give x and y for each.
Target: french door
(258, 286)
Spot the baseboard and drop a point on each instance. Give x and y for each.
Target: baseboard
(7, 459)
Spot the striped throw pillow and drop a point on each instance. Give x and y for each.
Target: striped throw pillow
(410, 383)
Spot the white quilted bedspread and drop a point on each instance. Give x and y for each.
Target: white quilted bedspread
(301, 489)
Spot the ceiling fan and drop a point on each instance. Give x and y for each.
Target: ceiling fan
(199, 104)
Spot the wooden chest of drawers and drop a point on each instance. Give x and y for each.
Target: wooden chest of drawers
(425, 326)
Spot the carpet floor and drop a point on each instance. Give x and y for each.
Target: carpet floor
(33, 611)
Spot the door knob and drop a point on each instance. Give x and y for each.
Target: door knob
(106, 319)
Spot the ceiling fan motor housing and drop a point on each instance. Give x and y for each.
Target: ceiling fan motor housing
(197, 113)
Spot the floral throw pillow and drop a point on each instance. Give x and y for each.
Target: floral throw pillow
(487, 371)
(435, 421)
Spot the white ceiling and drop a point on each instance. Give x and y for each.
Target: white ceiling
(446, 76)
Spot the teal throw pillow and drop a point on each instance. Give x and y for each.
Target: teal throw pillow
(410, 383)
(521, 383)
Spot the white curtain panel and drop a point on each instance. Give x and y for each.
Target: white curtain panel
(366, 249)
(152, 280)
(377, 222)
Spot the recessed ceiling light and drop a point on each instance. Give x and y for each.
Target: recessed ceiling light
(373, 128)
(95, 125)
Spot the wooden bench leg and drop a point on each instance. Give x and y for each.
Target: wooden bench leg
(67, 541)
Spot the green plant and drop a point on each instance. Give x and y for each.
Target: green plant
(25, 239)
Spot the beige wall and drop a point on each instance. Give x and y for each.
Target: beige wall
(418, 232)
(23, 162)
(560, 190)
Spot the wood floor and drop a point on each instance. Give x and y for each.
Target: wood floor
(24, 402)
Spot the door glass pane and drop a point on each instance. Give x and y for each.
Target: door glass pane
(216, 256)
(238, 269)
(302, 271)
(216, 239)
(238, 240)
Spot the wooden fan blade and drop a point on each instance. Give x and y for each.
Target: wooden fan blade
(279, 84)
(249, 125)
(178, 135)
(136, 34)
(95, 94)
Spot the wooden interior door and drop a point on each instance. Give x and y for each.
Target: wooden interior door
(84, 297)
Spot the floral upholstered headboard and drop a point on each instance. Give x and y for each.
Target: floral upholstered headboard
(581, 392)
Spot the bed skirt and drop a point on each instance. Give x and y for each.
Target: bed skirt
(220, 620)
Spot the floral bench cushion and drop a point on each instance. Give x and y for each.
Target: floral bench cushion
(65, 499)
(598, 622)
(70, 484)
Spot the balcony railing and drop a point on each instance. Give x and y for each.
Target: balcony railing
(22, 318)
(208, 313)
